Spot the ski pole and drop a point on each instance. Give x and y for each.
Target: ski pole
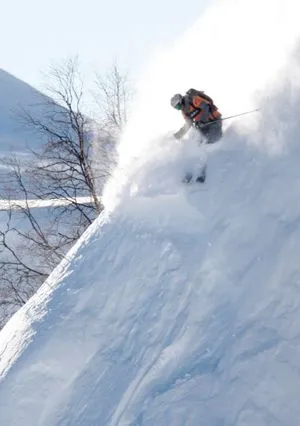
(231, 116)
(238, 115)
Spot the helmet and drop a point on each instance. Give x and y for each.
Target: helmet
(176, 101)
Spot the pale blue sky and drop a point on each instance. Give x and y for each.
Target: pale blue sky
(36, 33)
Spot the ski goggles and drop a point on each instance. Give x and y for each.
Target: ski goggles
(178, 106)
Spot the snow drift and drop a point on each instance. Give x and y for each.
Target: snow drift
(179, 305)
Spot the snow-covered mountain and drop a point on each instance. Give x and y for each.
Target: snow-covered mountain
(180, 304)
(15, 96)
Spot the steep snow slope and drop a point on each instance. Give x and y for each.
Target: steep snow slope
(177, 309)
(17, 95)
(181, 304)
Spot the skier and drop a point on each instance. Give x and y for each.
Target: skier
(199, 111)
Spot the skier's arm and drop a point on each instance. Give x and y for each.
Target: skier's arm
(181, 132)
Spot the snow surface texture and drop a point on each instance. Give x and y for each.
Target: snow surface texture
(180, 305)
(15, 97)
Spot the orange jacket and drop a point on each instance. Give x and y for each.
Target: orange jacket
(199, 108)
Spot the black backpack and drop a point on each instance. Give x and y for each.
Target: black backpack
(193, 92)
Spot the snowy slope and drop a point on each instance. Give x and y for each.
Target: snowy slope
(180, 305)
(17, 95)
(176, 308)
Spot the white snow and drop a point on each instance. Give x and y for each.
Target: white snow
(179, 305)
(18, 204)
(16, 97)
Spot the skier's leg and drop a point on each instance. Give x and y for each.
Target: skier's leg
(187, 178)
(213, 132)
(201, 165)
(202, 176)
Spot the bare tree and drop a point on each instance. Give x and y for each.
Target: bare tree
(72, 168)
(61, 170)
(113, 96)
(30, 247)
(65, 165)
(19, 277)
